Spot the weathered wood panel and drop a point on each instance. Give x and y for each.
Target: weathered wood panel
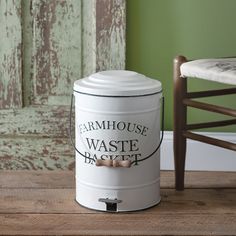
(27, 38)
(103, 36)
(60, 45)
(110, 34)
(36, 153)
(88, 37)
(10, 54)
(46, 121)
(56, 50)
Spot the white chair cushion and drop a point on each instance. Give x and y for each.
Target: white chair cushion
(221, 70)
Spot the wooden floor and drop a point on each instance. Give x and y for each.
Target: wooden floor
(42, 203)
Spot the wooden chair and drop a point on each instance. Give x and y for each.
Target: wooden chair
(220, 70)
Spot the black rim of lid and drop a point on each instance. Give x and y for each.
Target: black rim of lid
(119, 96)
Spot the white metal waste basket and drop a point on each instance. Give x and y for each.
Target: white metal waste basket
(117, 140)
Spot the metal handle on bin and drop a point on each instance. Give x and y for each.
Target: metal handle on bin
(71, 139)
(162, 135)
(119, 163)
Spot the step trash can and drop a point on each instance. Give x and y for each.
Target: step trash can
(117, 140)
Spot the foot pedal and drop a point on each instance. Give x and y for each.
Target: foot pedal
(111, 204)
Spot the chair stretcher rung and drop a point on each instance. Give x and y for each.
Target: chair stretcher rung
(210, 107)
(209, 140)
(209, 93)
(211, 124)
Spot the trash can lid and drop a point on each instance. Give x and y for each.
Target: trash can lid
(117, 83)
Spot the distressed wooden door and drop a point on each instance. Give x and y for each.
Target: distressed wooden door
(46, 45)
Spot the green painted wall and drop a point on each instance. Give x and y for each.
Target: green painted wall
(157, 30)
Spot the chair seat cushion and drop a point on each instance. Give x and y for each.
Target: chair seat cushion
(220, 70)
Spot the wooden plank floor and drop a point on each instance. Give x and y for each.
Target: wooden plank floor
(42, 203)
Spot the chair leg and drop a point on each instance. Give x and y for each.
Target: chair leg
(180, 117)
